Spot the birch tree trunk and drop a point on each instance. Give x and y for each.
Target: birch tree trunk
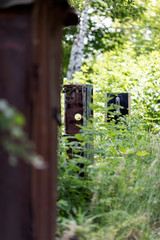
(76, 56)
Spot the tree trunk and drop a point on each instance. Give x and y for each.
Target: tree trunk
(76, 56)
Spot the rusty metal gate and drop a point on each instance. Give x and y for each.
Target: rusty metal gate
(77, 106)
(77, 100)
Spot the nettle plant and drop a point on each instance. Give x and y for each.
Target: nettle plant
(120, 185)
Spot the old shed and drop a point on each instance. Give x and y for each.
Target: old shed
(30, 59)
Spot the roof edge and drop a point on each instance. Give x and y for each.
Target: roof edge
(10, 3)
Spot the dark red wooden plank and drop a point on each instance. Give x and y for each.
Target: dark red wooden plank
(15, 63)
(46, 101)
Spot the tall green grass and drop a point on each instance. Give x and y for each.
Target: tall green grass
(119, 196)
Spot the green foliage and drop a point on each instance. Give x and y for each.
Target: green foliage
(119, 9)
(73, 187)
(13, 138)
(78, 4)
(102, 34)
(120, 189)
(121, 186)
(118, 197)
(123, 71)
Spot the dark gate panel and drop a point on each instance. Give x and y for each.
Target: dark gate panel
(120, 104)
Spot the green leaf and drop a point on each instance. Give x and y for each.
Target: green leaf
(142, 153)
(79, 137)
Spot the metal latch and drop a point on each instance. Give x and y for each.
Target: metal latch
(118, 103)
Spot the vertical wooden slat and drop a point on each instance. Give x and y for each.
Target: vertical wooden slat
(15, 65)
(47, 52)
(54, 90)
(40, 121)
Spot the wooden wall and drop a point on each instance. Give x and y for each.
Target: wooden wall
(30, 59)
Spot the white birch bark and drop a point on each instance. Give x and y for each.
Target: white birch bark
(76, 56)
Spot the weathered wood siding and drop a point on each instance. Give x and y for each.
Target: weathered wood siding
(15, 66)
(30, 59)
(46, 106)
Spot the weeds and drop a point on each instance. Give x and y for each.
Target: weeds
(121, 187)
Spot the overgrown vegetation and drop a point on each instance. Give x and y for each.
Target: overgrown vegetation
(13, 138)
(119, 196)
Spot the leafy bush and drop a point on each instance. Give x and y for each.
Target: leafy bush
(120, 188)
